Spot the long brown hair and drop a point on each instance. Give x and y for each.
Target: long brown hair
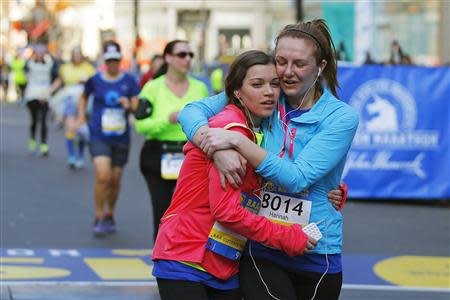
(318, 32)
(238, 71)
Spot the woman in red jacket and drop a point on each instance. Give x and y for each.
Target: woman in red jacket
(201, 235)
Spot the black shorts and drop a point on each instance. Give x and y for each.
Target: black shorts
(118, 152)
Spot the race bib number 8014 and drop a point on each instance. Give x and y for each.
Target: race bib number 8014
(285, 209)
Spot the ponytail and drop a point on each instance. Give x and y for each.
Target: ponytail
(162, 70)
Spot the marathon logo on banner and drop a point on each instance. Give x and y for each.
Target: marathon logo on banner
(402, 142)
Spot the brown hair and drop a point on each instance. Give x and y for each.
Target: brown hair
(167, 50)
(318, 32)
(238, 71)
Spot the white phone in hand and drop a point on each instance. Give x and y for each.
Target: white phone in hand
(313, 231)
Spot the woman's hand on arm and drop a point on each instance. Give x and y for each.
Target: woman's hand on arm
(338, 196)
(199, 135)
(220, 139)
(216, 139)
(335, 198)
(231, 166)
(229, 163)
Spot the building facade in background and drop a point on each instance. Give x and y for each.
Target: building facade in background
(219, 29)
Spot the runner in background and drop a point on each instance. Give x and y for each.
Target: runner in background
(40, 71)
(72, 76)
(4, 79)
(155, 65)
(20, 79)
(161, 154)
(216, 79)
(114, 97)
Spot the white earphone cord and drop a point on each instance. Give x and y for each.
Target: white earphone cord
(326, 258)
(326, 224)
(301, 102)
(320, 279)
(307, 92)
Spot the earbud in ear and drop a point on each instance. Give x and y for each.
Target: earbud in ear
(323, 64)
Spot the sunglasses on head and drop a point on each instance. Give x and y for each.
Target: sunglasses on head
(183, 54)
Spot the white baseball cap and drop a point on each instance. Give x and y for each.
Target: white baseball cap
(111, 50)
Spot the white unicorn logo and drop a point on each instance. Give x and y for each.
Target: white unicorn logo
(385, 118)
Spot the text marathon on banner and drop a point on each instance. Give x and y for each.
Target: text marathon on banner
(401, 149)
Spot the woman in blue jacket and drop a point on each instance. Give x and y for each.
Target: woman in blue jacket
(305, 145)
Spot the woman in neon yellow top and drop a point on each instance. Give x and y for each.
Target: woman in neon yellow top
(161, 154)
(20, 78)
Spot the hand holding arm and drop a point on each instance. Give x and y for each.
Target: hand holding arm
(335, 198)
(231, 166)
(218, 139)
(199, 135)
(338, 197)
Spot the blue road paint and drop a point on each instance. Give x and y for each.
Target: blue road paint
(134, 266)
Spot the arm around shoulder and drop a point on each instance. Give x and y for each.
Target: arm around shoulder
(196, 114)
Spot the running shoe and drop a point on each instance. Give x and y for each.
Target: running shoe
(108, 223)
(98, 229)
(43, 148)
(79, 163)
(72, 162)
(31, 145)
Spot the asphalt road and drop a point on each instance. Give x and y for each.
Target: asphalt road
(46, 205)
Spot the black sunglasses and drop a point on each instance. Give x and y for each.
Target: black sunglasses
(183, 54)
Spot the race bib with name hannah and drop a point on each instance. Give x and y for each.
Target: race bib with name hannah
(285, 208)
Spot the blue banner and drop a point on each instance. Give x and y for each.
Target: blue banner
(401, 149)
